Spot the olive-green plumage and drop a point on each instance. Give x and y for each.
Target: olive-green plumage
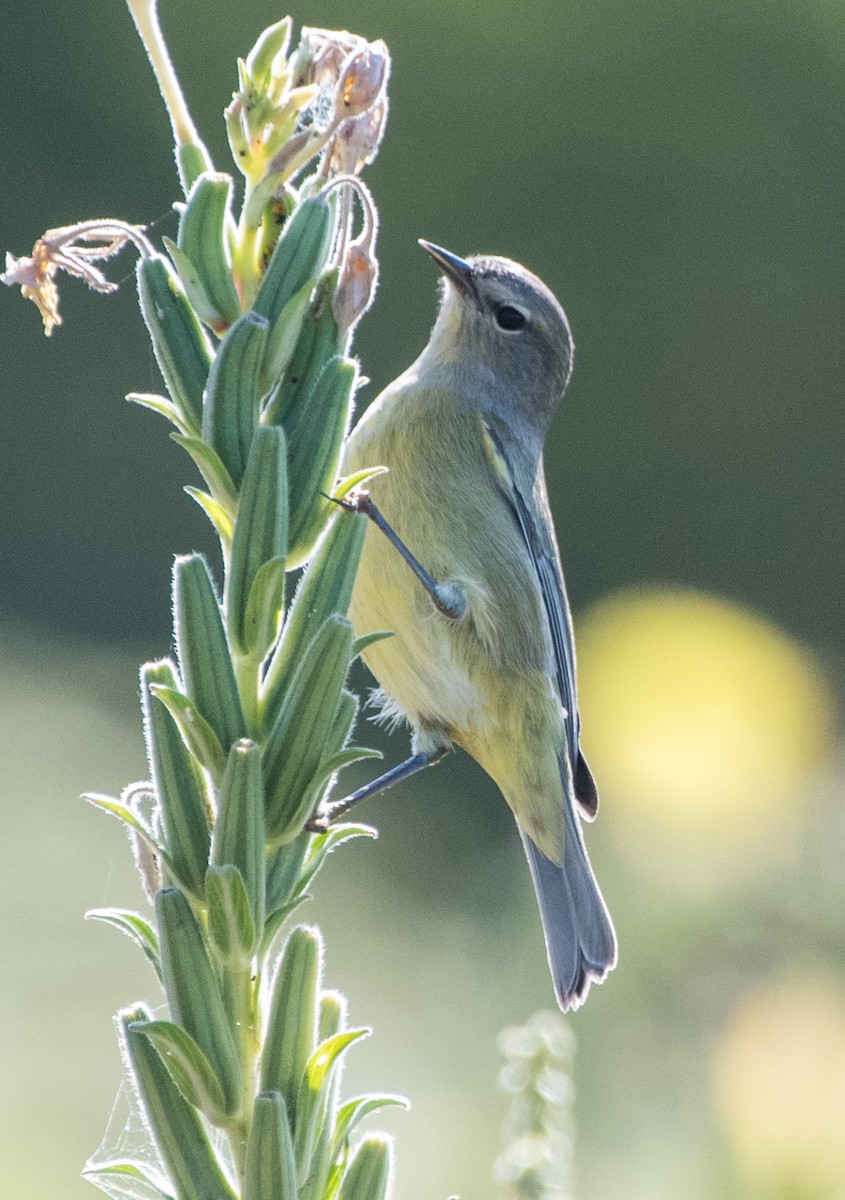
(461, 433)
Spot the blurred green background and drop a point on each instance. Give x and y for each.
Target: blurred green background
(676, 172)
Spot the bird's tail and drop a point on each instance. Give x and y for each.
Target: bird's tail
(580, 941)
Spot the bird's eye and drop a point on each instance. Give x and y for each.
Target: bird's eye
(510, 318)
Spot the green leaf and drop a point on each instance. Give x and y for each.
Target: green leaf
(203, 649)
(369, 639)
(165, 408)
(192, 991)
(211, 468)
(330, 766)
(182, 350)
(318, 342)
(316, 1093)
(351, 483)
(230, 922)
(125, 814)
(188, 1066)
(324, 589)
(283, 337)
(175, 1126)
(264, 607)
(299, 256)
(216, 513)
(296, 744)
(260, 538)
(239, 838)
(323, 844)
(231, 401)
(291, 1029)
(135, 927)
(354, 1111)
(178, 784)
(197, 734)
(127, 1169)
(326, 1055)
(283, 865)
(193, 285)
(270, 1171)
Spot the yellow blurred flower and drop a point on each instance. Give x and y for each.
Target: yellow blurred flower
(779, 1085)
(699, 715)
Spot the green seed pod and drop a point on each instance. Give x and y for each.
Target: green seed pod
(300, 254)
(178, 784)
(192, 159)
(325, 588)
(367, 1176)
(260, 538)
(315, 431)
(292, 1028)
(270, 1172)
(284, 337)
(296, 745)
(318, 341)
(175, 1127)
(203, 243)
(203, 650)
(230, 404)
(193, 993)
(239, 839)
(181, 348)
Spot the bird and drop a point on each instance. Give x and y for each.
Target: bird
(482, 655)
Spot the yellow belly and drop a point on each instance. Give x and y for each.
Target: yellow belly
(483, 681)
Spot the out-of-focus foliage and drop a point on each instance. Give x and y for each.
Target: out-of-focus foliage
(702, 716)
(779, 1082)
(677, 174)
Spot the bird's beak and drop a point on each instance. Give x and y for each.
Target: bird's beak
(457, 270)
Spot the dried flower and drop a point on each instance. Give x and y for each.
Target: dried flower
(74, 249)
(358, 279)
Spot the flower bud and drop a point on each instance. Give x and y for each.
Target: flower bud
(362, 78)
(358, 139)
(357, 285)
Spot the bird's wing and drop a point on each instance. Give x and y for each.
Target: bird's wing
(535, 522)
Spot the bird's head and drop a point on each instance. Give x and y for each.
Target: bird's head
(498, 320)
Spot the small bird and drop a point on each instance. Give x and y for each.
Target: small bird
(483, 654)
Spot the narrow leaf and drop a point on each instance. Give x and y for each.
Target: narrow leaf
(175, 1126)
(324, 589)
(192, 990)
(204, 655)
(198, 735)
(231, 925)
(261, 529)
(134, 926)
(188, 1066)
(178, 784)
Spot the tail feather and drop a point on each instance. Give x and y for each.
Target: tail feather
(580, 941)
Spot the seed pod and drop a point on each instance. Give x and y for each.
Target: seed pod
(181, 348)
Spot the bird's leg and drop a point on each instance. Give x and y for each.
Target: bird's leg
(321, 820)
(447, 598)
